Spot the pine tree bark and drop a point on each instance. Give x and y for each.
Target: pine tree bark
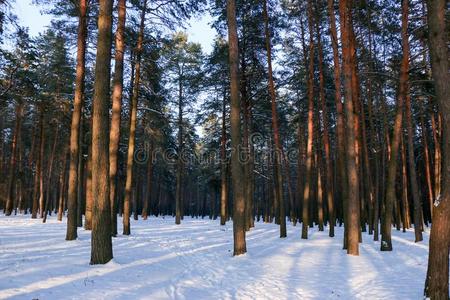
(80, 187)
(71, 233)
(223, 166)
(22, 194)
(328, 170)
(235, 120)
(89, 198)
(276, 134)
(436, 285)
(20, 204)
(114, 135)
(426, 155)
(40, 170)
(367, 172)
(307, 191)
(341, 188)
(133, 120)
(368, 143)
(101, 243)
(249, 166)
(320, 213)
(412, 171)
(437, 155)
(301, 136)
(36, 185)
(348, 61)
(386, 242)
(300, 168)
(405, 201)
(178, 192)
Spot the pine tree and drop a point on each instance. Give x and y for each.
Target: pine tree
(75, 125)
(236, 167)
(348, 61)
(101, 244)
(114, 137)
(133, 116)
(436, 284)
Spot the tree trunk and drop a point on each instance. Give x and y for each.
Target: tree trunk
(36, 185)
(40, 170)
(386, 242)
(436, 285)
(101, 244)
(320, 215)
(114, 135)
(309, 146)
(133, 117)
(437, 155)
(412, 172)
(71, 233)
(366, 174)
(348, 57)
(223, 166)
(89, 198)
(249, 166)
(325, 136)
(178, 192)
(237, 178)
(368, 143)
(341, 188)
(405, 203)
(300, 168)
(426, 155)
(21, 206)
(62, 183)
(276, 134)
(80, 187)
(135, 195)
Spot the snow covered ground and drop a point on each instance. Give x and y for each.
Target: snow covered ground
(161, 260)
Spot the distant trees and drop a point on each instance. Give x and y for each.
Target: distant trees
(55, 86)
(6, 16)
(182, 65)
(20, 67)
(214, 117)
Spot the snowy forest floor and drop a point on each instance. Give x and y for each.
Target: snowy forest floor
(161, 260)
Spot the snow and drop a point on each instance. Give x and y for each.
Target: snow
(161, 260)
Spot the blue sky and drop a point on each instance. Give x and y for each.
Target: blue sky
(29, 15)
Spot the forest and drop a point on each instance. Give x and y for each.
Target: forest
(306, 116)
